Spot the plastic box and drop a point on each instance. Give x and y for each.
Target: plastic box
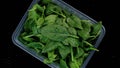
(64, 6)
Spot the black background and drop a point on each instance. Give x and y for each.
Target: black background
(13, 57)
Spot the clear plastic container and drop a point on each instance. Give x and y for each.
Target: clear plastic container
(71, 9)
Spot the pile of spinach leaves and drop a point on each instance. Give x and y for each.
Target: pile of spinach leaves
(59, 35)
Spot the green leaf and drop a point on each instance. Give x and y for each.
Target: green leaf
(50, 19)
(83, 34)
(62, 22)
(54, 9)
(28, 25)
(71, 41)
(51, 57)
(86, 24)
(64, 51)
(37, 8)
(66, 13)
(74, 64)
(59, 21)
(96, 28)
(80, 61)
(36, 46)
(63, 64)
(40, 8)
(49, 9)
(77, 21)
(50, 46)
(28, 38)
(34, 29)
(90, 46)
(79, 52)
(91, 49)
(74, 21)
(39, 22)
(95, 31)
(72, 31)
(77, 63)
(70, 22)
(44, 39)
(20, 38)
(32, 15)
(55, 32)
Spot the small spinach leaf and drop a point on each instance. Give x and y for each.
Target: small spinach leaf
(63, 64)
(51, 57)
(50, 46)
(64, 51)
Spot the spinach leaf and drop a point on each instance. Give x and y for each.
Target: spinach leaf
(52, 8)
(74, 21)
(74, 64)
(62, 22)
(36, 46)
(90, 46)
(39, 22)
(70, 22)
(32, 15)
(50, 19)
(79, 52)
(55, 32)
(50, 46)
(63, 64)
(72, 31)
(85, 32)
(86, 25)
(96, 28)
(28, 25)
(71, 41)
(77, 21)
(64, 51)
(28, 38)
(51, 57)
(66, 13)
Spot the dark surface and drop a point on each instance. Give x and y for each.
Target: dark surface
(13, 57)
